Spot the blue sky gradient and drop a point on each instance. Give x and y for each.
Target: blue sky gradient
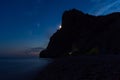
(30, 23)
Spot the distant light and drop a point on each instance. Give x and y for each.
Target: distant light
(70, 53)
(60, 27)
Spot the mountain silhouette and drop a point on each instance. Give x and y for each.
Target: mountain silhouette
(84, 34)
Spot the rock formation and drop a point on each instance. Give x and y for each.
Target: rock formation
(85, 34)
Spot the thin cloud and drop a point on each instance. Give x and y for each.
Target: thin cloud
(105, 8)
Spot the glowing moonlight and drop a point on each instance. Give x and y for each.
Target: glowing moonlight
(60, 27)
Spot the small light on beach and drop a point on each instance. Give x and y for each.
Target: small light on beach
(70, 53)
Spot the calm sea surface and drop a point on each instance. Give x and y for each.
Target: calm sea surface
(21, 68)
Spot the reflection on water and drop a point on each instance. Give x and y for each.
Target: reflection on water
(21, 69)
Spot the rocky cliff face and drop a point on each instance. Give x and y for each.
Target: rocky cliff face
(85, 34)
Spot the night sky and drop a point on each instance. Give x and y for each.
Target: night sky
(30, 23)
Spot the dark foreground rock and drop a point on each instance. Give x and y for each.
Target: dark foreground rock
(102, 67)
(85, 34)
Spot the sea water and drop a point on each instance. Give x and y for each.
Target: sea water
(21, 68)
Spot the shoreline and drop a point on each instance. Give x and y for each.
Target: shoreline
(102, 67)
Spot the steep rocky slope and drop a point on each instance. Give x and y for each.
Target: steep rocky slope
(85, 34)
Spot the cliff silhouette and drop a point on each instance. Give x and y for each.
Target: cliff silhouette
(84, 34)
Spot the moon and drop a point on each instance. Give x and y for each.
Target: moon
(60, 27)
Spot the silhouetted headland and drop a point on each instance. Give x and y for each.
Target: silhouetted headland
(84, 34)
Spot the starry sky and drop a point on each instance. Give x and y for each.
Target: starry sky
(30, 23)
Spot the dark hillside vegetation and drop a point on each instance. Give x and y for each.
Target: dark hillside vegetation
(85, 34)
